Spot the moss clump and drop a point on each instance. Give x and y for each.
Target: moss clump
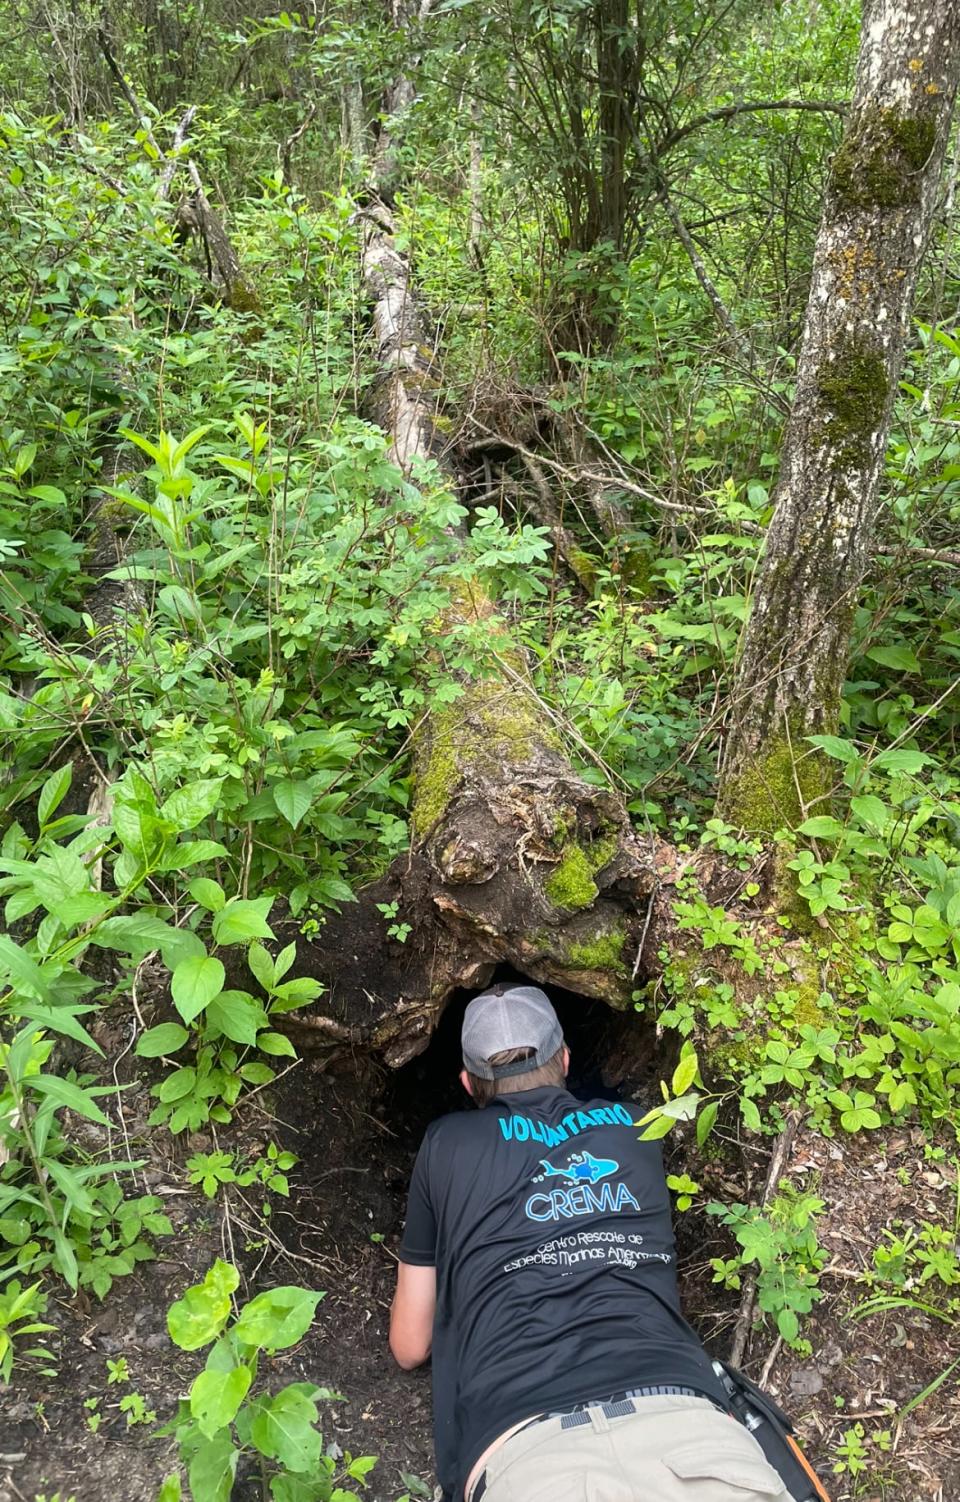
(878, 165)
(492, 726)
(853, 392)
(571, 883)
(605, 952)
(767, 795)
(242, 298)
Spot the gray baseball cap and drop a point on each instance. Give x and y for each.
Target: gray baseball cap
(521, 1018)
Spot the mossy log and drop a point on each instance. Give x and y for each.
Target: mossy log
(876, 220)
(516, 858)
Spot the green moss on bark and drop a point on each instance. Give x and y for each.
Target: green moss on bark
(771, 792)
(605, 952)
(571, 884)
(880, 161)
(853, 392)
(491, 727)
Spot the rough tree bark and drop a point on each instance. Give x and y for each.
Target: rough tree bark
(876, 221)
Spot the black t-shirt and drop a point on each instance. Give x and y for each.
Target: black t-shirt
(548, 1222)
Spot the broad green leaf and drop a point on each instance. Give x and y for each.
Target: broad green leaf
(684, 1074)
(903, 759)
(835, 747)
(899, 657)
(243, 919)
(278, 1318)
(208, 893)
(201, 1314)
(213, 1468)
(657, 1128)
(164, 1039)
(20, 971)
(196, 981)
(188, 806)
(236, 1016)
(293, 799)
(750, 1113)
(216, 1396)
(822, 827)
(277, 1045)
(53, 792)
(870, 810)
(705, 1121)
(682, 1108)
(170, 1489)
(261, 966)
(137, 934)
(283, 1430)
(178, 1084)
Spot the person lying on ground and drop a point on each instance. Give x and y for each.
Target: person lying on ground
(538, 1268)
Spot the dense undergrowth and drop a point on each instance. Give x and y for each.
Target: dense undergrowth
(235, 742)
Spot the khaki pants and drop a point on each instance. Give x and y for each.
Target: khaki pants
(675, 1449)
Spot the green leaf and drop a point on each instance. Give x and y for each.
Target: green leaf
(164, 1039)
(19, 970)
(277, 1318)
(213, 1468)
(293, 799)
(870, 810)
(53, 792)
(208, 893)
(899, 657)
(177, 1085)
(196, 981)
(170, 1489)
(750, 1113)
(684, 1074)
(282, 1429)
(277, 1045)
(64, 1093)
(237, 1016)
(658, 1127)
(201, 1314)
(261, 966)
(822, 827)
(216, 1396)
(788, 1324)
(835, 747)
(705, 1121)
(904, 759)
(191, 804)
(243, 919)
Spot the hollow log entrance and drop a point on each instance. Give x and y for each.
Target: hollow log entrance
(612, 1054)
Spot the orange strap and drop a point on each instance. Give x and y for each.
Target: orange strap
(818, 1488)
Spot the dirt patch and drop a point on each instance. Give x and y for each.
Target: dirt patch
(356, 1132)
(864, 1371)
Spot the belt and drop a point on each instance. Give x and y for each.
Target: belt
(618, 1406)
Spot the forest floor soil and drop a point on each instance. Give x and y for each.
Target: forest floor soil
(339, 1232)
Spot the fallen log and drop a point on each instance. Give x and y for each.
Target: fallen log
(516, 857)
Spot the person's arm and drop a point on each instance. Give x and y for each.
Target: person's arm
(412, 1310)
(411, 1314)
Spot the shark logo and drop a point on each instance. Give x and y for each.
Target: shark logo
(582, 1168)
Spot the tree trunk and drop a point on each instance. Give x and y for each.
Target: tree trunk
(876, 221)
